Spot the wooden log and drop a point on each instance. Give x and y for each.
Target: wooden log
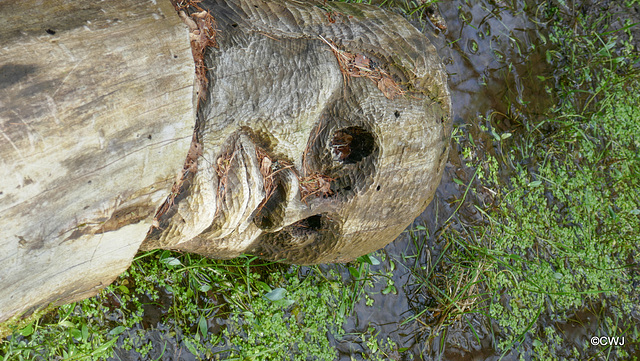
(96, 118)
(302, 121)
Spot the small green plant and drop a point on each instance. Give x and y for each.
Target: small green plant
(64, 333)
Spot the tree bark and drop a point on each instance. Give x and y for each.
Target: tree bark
(96, 118)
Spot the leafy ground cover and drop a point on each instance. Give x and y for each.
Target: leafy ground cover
(273, 314)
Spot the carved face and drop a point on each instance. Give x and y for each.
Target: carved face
(323, 134)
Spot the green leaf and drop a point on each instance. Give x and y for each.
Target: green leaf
(118, 330)
(105, 346)
(171, 261)
(635, 211)
(535, 183)
(276, 294)
(202, 324)
(373, 346)
(190, 346)
(204, 288)
(505, 136)
(263, 286)
(66, 324)
(27, 330)
(368, 259)
(495, 135)
(354, 272)
(343, 308)
(542, 38)
(123, 289)
(537, 343)
(85, 332)
(458, 181)
(77, 334)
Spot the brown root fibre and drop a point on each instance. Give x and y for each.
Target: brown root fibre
(315, 185)
(359, 65)
(203, 31)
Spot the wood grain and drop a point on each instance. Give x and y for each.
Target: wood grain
(96, 118)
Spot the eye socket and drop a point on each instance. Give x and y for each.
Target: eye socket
(351, 145)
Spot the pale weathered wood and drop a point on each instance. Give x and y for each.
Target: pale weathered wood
(282, 112)
(96, 118)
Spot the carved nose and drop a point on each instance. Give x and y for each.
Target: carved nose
(290, 196)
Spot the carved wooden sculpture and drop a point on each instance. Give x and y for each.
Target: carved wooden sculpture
(321, 132)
